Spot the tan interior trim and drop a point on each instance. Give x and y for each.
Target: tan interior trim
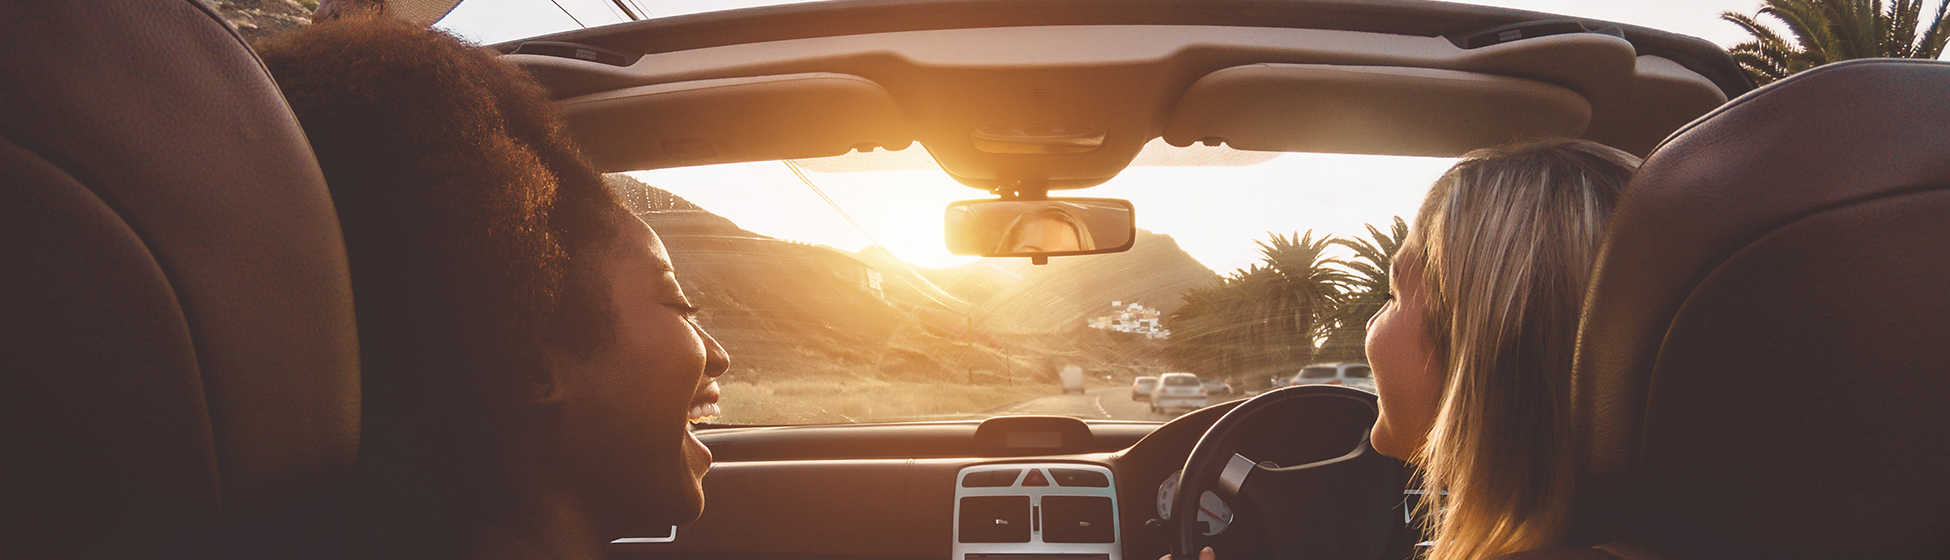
(1126, 80)
(1370, 110)
(735, 119)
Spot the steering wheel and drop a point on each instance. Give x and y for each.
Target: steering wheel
(1344, 507)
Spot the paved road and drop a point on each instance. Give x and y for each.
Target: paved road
(1111, 403)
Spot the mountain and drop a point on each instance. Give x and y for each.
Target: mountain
(261, 19)
(788, 309)
(1015, 296)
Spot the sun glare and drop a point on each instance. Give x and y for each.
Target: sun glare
(1215, 213)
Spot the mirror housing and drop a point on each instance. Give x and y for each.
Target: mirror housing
(1052, 227)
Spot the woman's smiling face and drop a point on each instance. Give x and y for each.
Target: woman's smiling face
(628, 404)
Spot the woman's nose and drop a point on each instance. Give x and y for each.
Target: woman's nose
(716, 360)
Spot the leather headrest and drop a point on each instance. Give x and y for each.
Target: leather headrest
(178, 333)
(1763, 368)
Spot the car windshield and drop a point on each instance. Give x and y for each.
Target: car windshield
(829, 282)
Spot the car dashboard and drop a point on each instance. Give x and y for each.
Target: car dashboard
(1006, 488)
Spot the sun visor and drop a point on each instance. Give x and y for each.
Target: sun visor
(1371, 110)
(734, 120)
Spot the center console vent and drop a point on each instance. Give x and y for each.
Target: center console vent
(993, 519)
(1078, 519)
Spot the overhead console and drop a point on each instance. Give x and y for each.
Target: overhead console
(731, 120)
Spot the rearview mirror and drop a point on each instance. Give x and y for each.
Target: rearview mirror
(1040, 228)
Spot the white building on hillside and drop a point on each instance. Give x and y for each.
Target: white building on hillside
(1132, 318)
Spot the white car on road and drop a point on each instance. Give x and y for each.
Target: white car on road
(1178, 390)
(1351, 374)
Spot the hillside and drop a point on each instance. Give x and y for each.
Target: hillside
(788, 311)
(1015, 296)
(261, 19)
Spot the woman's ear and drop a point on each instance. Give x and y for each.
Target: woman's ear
(547, 385)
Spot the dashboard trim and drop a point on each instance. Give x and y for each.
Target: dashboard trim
(1036, 547)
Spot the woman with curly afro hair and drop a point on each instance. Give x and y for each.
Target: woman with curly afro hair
(529, 361)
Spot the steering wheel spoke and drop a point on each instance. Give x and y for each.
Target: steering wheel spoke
(1233, 477)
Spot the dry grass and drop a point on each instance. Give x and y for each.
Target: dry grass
(814, 400)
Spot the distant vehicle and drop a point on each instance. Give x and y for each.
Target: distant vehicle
(1178, 390)
(1141, 388)
(1351, 374)
(1072, 379)
(1217, 387)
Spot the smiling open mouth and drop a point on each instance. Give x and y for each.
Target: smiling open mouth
(704, 405)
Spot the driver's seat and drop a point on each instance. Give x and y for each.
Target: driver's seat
(1763, 368)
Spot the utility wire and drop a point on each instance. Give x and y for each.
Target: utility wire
(627, 12)
(565, 11)
(639, 9)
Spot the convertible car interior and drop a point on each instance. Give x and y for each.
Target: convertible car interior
(1760, 367)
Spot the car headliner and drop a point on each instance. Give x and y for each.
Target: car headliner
(1370, 77)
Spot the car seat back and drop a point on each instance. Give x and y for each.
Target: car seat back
(176, 320)
(1763, 367)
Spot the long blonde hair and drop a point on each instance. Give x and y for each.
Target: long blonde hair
(1504, 246)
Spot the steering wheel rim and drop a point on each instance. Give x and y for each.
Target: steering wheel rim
(1214, 463)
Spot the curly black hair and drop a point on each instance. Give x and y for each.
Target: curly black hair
(473, 225)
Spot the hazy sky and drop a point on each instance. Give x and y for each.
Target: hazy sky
(1215, 213)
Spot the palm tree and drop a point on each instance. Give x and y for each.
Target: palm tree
(1311, 284)
(1263, 318)
(1373, 258)
(1203, 330)
(1367, 289)
(1825, 31)
(1199, 334)
(1245, 323)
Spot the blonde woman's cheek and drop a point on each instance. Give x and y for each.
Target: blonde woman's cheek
(1408, 382)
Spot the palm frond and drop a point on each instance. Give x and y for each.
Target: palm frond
(1807, 23)
(1766, 58)
(1899, 28)
(1824, 31)
(1930, 46)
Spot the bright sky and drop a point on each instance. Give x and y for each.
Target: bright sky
(1215, 213)
(490, 21)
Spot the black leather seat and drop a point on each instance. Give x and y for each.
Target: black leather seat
(1764, 364)
(176, 321)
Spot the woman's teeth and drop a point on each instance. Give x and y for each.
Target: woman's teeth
(702, 412)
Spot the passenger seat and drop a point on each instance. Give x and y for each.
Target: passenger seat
(1763, 368)
(176, 320)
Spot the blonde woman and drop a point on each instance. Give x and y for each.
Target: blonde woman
(1472, 354)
